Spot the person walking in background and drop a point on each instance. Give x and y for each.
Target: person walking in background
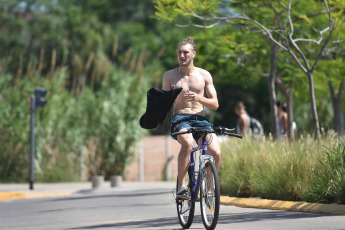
(282, 119)
(243, 123)
(246, 125)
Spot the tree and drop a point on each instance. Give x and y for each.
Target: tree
(332, 73)
(208, 14)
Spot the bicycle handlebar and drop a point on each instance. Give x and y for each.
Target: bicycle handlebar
(220, 130)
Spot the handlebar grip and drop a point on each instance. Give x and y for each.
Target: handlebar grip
(234, 135)
(229, 130)
(223, 129)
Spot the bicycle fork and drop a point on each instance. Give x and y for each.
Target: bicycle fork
(203, 159)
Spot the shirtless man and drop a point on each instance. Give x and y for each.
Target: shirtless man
(243, 123)
(198, 92)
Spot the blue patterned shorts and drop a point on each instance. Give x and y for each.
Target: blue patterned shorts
(185, 121)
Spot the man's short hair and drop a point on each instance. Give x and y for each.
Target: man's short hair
(239, 105)
(186, 41)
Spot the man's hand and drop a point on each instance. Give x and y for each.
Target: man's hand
(191, 96)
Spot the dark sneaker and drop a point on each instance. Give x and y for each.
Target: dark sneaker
(182, 194)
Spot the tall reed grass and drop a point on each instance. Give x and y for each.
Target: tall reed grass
(277, 169)
(99, 128)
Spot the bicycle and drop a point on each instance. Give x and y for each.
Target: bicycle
(203, 179)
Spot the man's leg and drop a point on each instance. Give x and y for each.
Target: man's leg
(213, 149)
(187, 142)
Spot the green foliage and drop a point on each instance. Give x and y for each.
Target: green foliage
(101, 127)
(168, 10)
(235, 56)
(14, 126)
(45, 27)
(328, 181)
(274, 170)
(122, 104)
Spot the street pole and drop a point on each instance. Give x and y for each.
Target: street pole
(32, 142)
(169, 158)
(37, 101)
(141, 161)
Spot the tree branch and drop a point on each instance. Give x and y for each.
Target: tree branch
(314, 15)
(227, 20)
(268, 33)
(198, 26)
(337, 41)
(312, 40)
(261, 73)
(306, 67)
(331, 27)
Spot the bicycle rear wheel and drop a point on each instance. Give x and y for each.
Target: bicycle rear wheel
(209, 192)
(185, 208)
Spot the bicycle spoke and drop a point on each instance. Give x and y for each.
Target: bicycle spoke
(185, 208)
(210, 196)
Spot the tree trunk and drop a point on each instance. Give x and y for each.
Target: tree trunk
(313, 106)
(336, 102)
(272, 89)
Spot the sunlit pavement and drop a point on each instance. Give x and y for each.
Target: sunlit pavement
(143, 206)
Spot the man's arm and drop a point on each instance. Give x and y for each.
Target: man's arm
(211, 101)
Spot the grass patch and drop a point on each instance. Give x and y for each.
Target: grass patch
(328, 182)
(282, 171)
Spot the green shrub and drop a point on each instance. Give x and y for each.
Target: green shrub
(328, 181)
(268, 169)
(101, 127)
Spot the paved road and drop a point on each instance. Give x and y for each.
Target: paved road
(143, 208)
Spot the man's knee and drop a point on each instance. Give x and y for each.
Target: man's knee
(186, 145)
(215, 153)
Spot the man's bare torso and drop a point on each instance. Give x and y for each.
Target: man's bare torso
(195, 82)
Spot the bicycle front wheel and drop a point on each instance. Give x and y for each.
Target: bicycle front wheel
(185, 208)
(209, 192)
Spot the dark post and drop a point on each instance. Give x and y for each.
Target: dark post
(37, 101)
(32, 141)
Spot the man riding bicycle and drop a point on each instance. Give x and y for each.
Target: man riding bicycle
(189, 108)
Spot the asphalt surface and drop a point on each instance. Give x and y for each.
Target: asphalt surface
(143, 207)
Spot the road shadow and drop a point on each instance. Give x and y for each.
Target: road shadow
(225, 219)
(125, 195)
(140, 224)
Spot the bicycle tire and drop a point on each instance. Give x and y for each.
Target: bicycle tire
(209, 196)
(186, 216)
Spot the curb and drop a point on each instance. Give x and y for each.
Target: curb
(17, 195)
(284, 205)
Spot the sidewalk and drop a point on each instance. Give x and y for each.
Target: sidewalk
(41, 190)
(22, 191)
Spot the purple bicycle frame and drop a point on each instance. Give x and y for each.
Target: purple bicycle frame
(202, 158)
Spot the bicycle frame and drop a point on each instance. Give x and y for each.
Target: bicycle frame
(203, 159)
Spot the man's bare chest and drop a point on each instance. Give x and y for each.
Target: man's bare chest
(194, 82)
